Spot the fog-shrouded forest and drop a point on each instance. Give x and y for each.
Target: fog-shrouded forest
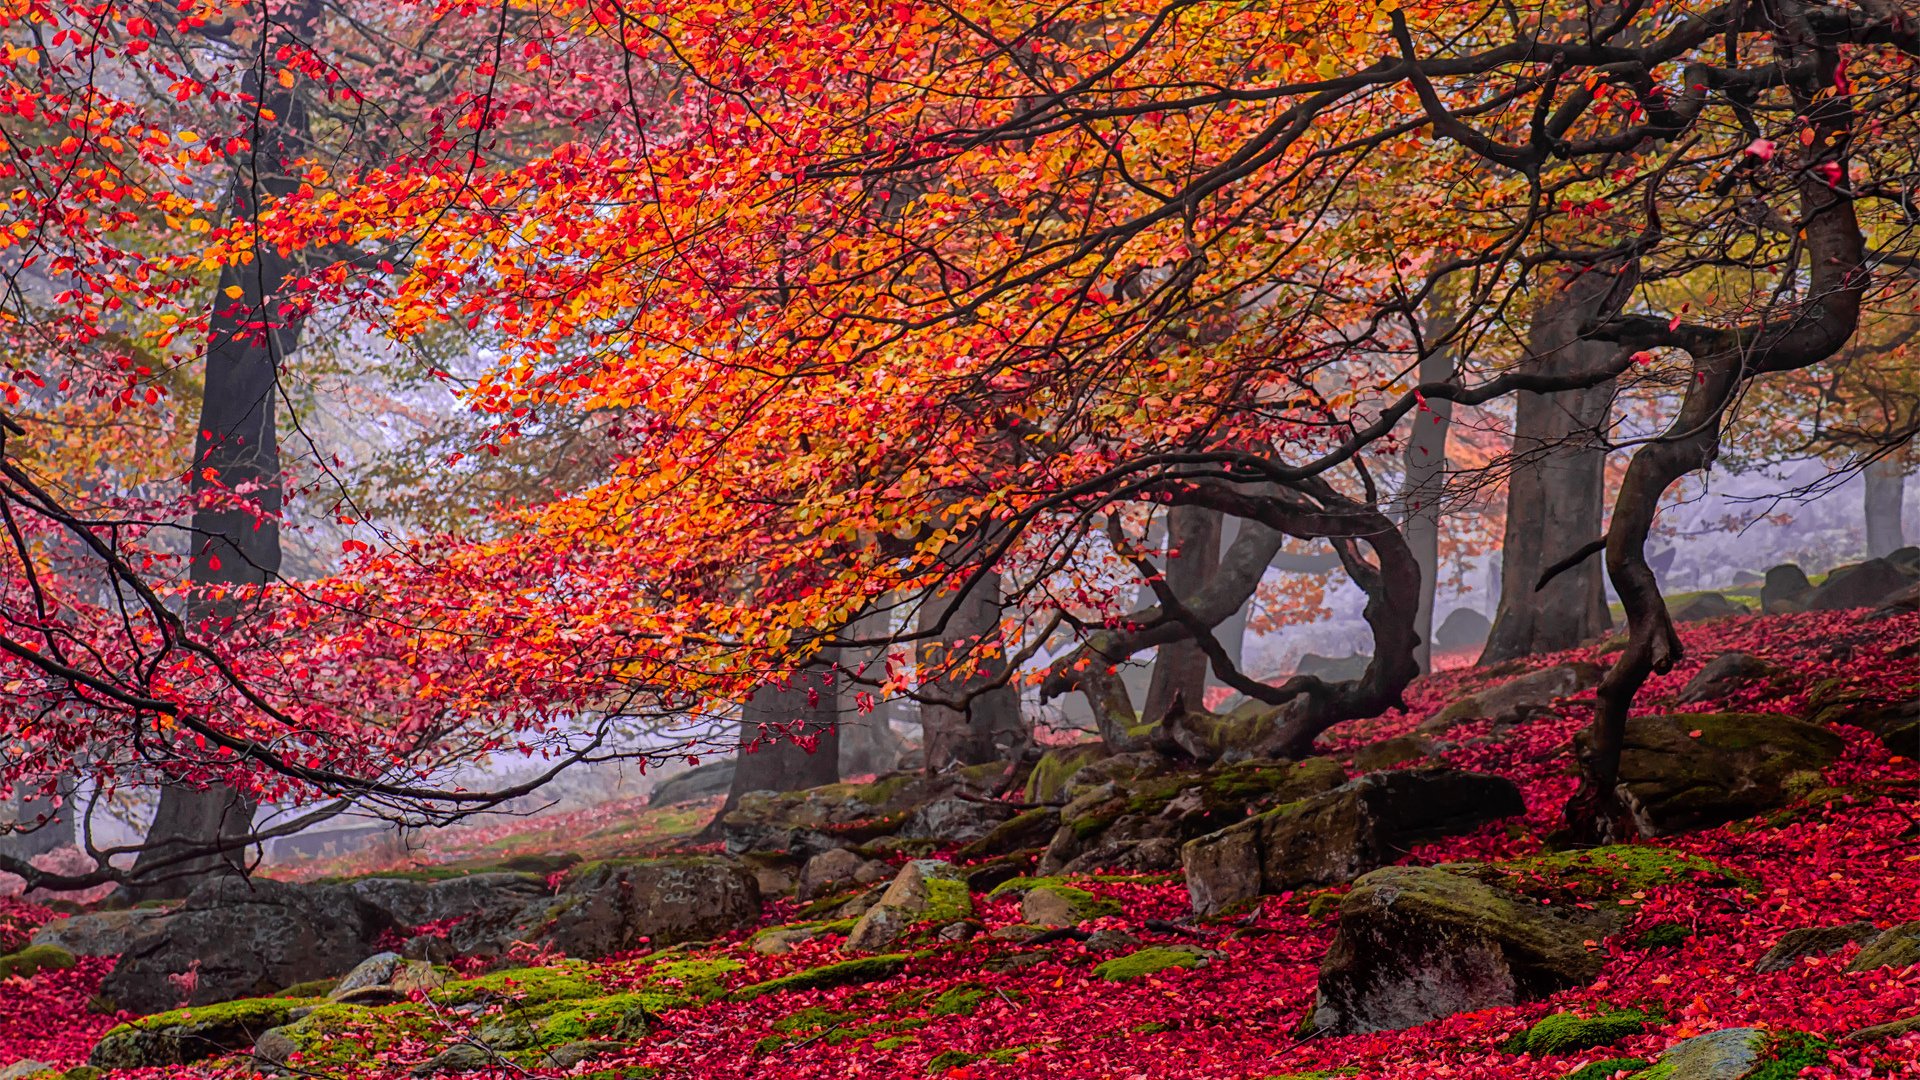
(1154, 540)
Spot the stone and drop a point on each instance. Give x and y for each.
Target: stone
(1517, 699)
(1889, 1030)
(1784, 590)
(100, 933)
(1906, 560)
(623, 904)
(1868, 584)
(1048, 781)
(275, 1046)
(569, 1054)
(1811, 941)
(1027, 830)
(1419, 943)
(458, 1058)
(779, 942)
(700, 782)
(1150, 855)
(1904, 602)
(24, 1068)
(1333, 668)
(1725, 674)
(925, 890)
(184, 1036)
(246, 939)
(829, 872)
(1463, 628)
(415, 903)
(1894, 720)
(1703, 606)
(1150, 961)
(1106, 940)
(1052, 907)
(1387, 753)
(1898, 947)
(1336, 836)
(1728, 1054)
(375, 971)
(955, 819)
(817, 820)
(1689, 771)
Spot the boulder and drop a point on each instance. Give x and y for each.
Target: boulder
(1048, 781)
(1868, 584)
(1725, 674)
(1031, 829)
(1784, 590)
(1387, 753)
(1703, 606)
(385, 977)
(700, 782)
(1906, 560)
(1690, 771)
(1904, 602)
(925, 891)
(26, 1067)
(820, 819)
(954, 819)
(1517, 699)
(1419, 943)
(1811, 941)
(1893, 719)
(1333, 668)
(415, 903)
(830, 872)
(1898, 947)
(1728, 1054)
(1463, 628)
(622, 904)
(245, 939)
(100, 933)
(183, 1036)
(1336, 836)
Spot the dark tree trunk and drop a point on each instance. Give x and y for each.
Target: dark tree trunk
(1886, 481)
(789, 733)
(1232, 631)
(236, 458)
(1180, 667)
(1426, 466)
(867, 741)
(31, 825)
(1556, 496)
(965, 719)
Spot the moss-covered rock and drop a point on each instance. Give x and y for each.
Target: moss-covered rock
(188, 1035)
(948, 1060)
(1048, 781)
(1029, 829)
(569, 981)
(1149, 961)
(1063, 905)
(863, 969)
(1738, 1054)
(1812, 941)
(1898, 947)
(1606, 1069)
(34, 959)
(1566, 1033)
(1695, 770)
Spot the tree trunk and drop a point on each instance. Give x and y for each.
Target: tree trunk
(867, 741)
(1426, 465)
(22, 834)
(962, 723)
(1556, 496)
(1231, 633)
(1886, 480)
(1180, 667)
(790, 734)
(236, 473)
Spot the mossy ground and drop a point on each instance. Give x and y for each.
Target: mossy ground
(34, 959)
(1569, 1033)
(1149, 961)
(845, 973)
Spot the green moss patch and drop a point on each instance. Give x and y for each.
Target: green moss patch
(1567, 1033)
(1148, 961)
(948, 1060)
(571, 981)
(1606, 1070)
(34, 959)
(864, 969)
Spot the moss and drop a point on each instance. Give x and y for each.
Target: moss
(864, 969)
(258, 1013)
(1602, 872)
(334, 1037)
(1605, 1070)
(623, 1016)
(1021, 885)
(964, 998)
(312, 988)
(1566, 1033)
(571, 981)
(812, 1018)
(827, 905)
(36, 958)
(1145, 962)
(1789, 1053)
(1151, 1027)
(182, 1036)
(1082, 904)
(949, 1060)
(1663, 935)
(82, 1072)
(895, 1042)
(1048, 782)
(947, 902)
(704, 978)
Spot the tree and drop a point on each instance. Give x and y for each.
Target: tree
(789, 734)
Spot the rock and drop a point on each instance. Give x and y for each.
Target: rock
(1703, 606)
(1696, 770)
(24, 1068)
(1418, 943)
(964, 930)
(1724, 674)
(1048, 782)
(700, 782)
(1337, 836)
(820, 819)
(1333, 669)
(1387, 753)
(100, 933)
(458, 1058)
(1811, 941)
(415, 903)
(375, 970)
(1031, 829)
(1867, 585)
(1566, 1033)
(274, 1047)
(567, 1055)
(1785, 590)
(778, 942)
(1898, 947)
(622, 904)
(246, 939)
(1728, 1054)
(1904, 602)
(385, 977)
(1060, 905)
(1889, 1030)
(34, 959)
(1152, 855)
(183, 1036)
(955, 820)
(1906, 560)
(1105, 940)
(1517, 699)
(1894, 720)
(1463, 628)
(1119, 770)
(1151, 961)
(924, 891)
(829, 872)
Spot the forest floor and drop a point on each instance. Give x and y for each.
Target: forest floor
(994, 1007)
